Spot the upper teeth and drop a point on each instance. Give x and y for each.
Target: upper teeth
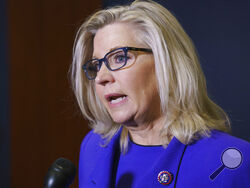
(117, 100)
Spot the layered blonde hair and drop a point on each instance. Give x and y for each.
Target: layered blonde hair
(188, 111)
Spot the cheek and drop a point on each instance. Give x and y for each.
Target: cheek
(144, 80)
(99, 92)
(142, 87)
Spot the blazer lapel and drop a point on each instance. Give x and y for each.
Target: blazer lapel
(170, 161)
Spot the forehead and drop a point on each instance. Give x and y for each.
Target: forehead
(113, 36)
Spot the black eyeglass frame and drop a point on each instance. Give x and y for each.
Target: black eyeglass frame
(104, 59)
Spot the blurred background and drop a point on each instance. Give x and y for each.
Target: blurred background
(39, 118)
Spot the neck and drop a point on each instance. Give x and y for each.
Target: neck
(147, 133)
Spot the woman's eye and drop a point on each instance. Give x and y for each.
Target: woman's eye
(120, 59)
(94, 67)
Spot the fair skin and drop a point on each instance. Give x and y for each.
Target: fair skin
(135, 100)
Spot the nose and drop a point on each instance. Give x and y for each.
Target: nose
(104, 76)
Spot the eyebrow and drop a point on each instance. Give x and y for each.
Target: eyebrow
(116, 48)
(94, 57)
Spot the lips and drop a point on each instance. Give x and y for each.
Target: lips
(115, 98)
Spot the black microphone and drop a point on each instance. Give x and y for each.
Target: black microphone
(61, 174)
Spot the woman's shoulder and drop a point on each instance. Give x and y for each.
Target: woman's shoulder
(91, 140)
(94, 142)
(220, 140)
(204, 156)
(212, 148)
(89, 148)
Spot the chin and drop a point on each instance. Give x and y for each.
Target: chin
(127, 122)
(123, 119)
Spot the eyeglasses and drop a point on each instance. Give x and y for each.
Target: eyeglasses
(114, 60)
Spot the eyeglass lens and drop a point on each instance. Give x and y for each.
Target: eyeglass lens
(113, 60)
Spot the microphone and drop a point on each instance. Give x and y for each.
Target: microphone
(60, 174)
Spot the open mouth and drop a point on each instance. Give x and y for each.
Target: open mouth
(115, 98)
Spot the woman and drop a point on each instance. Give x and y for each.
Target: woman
(137, 79)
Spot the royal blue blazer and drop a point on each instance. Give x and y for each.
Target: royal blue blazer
(191, 166)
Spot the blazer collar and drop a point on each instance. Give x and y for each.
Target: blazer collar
(104, 174)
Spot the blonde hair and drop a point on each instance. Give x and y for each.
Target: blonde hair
(188, 111)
